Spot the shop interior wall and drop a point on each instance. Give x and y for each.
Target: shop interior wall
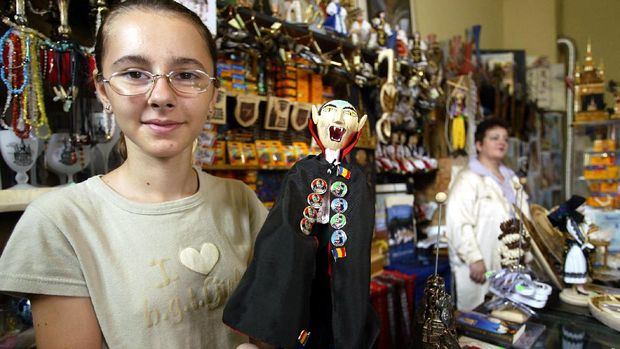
(530, 25)
(447, 18)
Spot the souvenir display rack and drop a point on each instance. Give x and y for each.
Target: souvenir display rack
(594, 167)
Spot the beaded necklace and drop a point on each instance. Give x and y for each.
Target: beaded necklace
(25, 65)
(16, 96)
(41, 121)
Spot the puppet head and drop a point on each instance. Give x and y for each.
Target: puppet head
(337, 124)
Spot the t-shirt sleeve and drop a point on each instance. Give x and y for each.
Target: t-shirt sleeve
(39, 259)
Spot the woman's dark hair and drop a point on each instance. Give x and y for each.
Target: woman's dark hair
(487, 124)
(169, 6)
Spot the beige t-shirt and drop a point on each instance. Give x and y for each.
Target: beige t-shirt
(158, 274)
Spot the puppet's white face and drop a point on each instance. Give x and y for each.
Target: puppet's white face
(337, 121)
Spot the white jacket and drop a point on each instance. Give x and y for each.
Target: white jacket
(475, 209)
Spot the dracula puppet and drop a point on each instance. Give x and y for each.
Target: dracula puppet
(308, 282)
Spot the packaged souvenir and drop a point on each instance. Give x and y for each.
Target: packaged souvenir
(290, 155)
(249, 153)
(235, 153)
(277, 153)
(301, 149)
(263, 150)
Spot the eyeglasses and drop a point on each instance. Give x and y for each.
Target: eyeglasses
(136, 82)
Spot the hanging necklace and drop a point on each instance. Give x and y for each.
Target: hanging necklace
(39, 115)
(16, 47)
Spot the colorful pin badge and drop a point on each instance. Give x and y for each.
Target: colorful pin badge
(306, 226)
(339, 205)
(339, 252)
(315, 200)
(338, 221)
(339, 189)
(303, 337)
(339, 238)
(343, 172)
(310, 213)
(319, 186)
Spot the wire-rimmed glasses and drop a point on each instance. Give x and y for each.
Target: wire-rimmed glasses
(136, 82)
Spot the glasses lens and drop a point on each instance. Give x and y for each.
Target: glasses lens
(190, 81)
(130, 83)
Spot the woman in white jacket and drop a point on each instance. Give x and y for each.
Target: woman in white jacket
(481, 197)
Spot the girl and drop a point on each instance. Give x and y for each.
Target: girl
(147, 255)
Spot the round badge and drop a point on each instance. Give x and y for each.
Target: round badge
(306, 226)
(339, 205)
(338, 221)
(339, 189)
(315, 200)
(310, 213)
(319, 186)
(339, 238)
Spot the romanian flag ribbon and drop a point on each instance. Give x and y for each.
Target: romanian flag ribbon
(339, 252)
(303, 337)
(344, 172)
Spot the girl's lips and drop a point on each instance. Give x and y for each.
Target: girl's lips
(163, 128)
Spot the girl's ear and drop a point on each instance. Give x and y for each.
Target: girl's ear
(102, 95)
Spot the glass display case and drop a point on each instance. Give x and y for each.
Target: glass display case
(595, 162)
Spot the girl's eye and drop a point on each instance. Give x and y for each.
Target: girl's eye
(134, 75)
(185, 75)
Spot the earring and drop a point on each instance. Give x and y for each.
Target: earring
(108, 108)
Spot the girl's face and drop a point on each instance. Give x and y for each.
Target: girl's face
(494, 145)
(161, 123)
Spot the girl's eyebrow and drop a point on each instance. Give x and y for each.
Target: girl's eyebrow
(134, 59)
(187, 61)
(141, 60)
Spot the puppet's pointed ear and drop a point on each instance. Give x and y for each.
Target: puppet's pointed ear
(361, 123)
(315, 115)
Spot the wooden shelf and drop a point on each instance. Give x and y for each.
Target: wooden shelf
(596, 122)
(582, 178)
(590, 151)
(244, 168)
(12, 200)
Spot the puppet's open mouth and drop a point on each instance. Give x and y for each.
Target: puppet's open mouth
(336, 133)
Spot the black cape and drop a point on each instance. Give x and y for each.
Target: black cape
(293, 282)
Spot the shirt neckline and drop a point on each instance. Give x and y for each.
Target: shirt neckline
(116, 199)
